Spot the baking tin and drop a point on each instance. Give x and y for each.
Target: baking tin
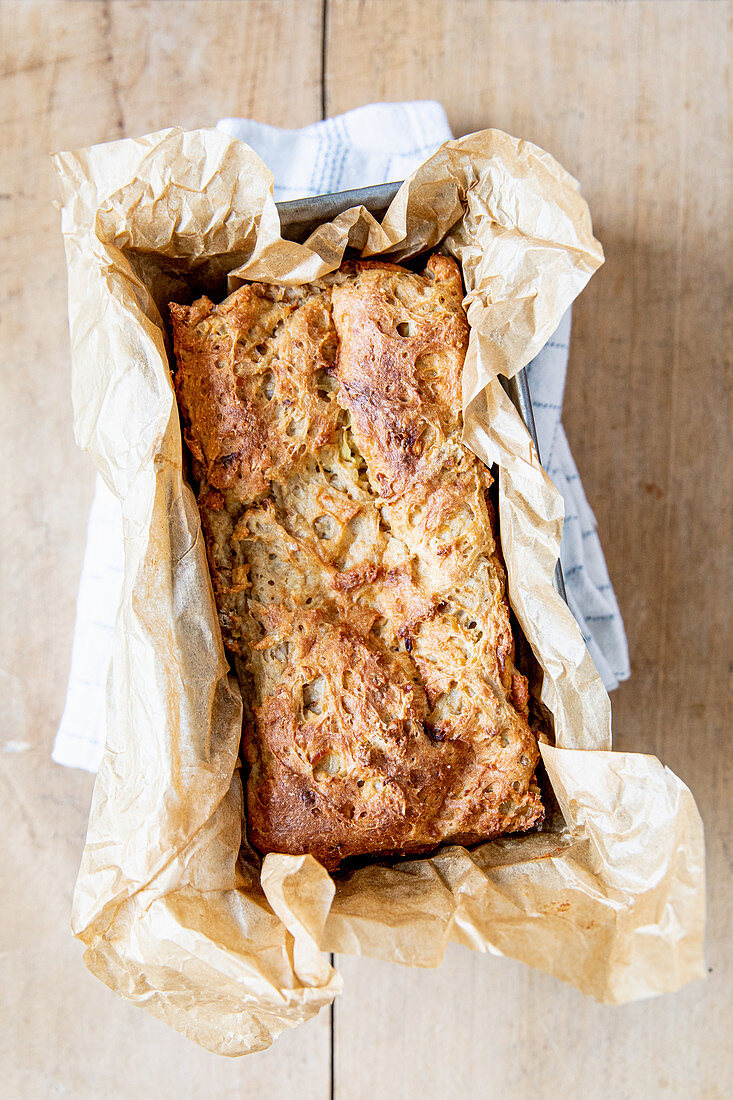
(298, 219)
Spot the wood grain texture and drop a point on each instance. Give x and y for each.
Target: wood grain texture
(634, 99)
(72, 74)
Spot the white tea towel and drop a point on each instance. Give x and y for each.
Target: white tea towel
(379, 143)
(80, 738)
(590, 594)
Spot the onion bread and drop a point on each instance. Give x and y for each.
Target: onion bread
(354, 563)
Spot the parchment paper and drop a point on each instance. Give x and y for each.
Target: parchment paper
(173, 907)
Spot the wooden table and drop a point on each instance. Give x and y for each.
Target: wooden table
(632, 98)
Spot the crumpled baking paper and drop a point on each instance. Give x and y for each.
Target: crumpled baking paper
(174, 908)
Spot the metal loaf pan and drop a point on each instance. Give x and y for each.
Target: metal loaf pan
(298, 219)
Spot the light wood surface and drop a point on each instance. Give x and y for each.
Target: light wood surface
(634, 99)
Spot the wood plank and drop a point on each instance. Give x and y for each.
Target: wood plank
(633, 100)
(72, 74)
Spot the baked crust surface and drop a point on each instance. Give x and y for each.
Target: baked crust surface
(354, 563)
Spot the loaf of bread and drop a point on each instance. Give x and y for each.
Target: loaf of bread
(354, 561)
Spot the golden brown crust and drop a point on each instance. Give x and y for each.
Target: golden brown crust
(402, 342)
(247, 408)
(354, 563)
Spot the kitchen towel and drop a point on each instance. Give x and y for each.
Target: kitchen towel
(374, 144)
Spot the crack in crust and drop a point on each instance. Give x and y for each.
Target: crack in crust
(354, 563)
